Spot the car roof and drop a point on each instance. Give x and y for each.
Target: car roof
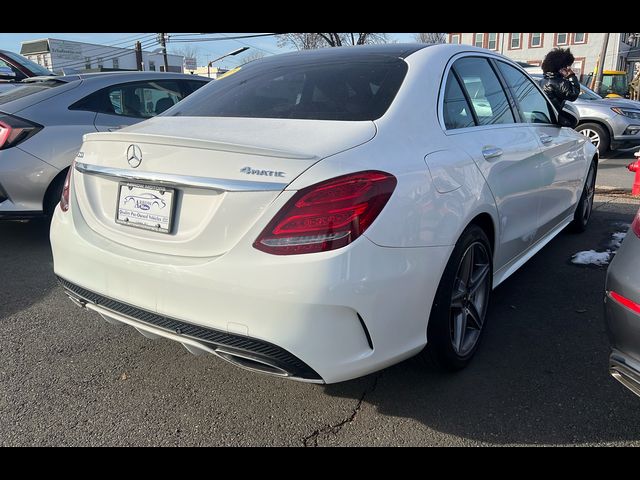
(398, 50)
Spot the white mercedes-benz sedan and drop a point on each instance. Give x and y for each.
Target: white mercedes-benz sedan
(324, 214)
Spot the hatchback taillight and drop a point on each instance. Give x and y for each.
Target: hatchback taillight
(327, 215)
(64, 199)
(635, 226)
(14, 130)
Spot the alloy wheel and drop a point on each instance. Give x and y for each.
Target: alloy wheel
(589, 191)
(470, 298)
(592, 135)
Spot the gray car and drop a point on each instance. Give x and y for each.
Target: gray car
(622, 310)
(610, 123)
(42, 123)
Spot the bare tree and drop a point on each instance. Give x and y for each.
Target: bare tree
(256, 55)
(430, 37)
(186, 51)
(308, 41)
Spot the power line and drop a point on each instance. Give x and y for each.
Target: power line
(146, 44)
(248, 45)
(218, 39)
(129, 40)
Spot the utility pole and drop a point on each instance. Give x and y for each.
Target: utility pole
(163, 42)
(603, 57)
(139, 56)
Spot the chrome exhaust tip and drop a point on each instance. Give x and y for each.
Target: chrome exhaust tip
(251, 363)
(627, 376)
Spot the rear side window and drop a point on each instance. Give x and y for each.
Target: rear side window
(533, 106)
(484, 90)
(299, 88)
(456, 110)
(135, 99)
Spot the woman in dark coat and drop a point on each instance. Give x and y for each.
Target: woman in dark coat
(559, 83)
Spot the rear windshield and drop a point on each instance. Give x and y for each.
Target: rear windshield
(301, 89)
(33, 66)
(21, 91)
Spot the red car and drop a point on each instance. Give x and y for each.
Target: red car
(20, 67)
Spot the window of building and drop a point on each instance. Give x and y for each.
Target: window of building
(579, 38)
(488, 99)
(578, 67)
(100, 62)
(152, 65)
(478, 40)
(116, 63)
(454, 38)
(562, 38)
(87, 63)
(533, 106)
(456, 110)
(492, 41)
(535, 40)
(515, 42)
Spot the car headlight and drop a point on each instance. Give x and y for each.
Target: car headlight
(626, 112)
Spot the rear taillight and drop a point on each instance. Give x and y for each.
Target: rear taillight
(14, 130)
(64, 198)
(327, 215)
(630, 304)
(635, 226)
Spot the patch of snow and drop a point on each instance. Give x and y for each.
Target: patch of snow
(618, 237)
(591, 257)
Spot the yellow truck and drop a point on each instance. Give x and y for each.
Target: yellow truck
(615, 83)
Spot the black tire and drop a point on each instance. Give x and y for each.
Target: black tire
(441, 340)
(54, 192)
(603, 134)
(585, 204)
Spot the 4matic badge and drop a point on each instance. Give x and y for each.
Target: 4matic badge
(265, 173)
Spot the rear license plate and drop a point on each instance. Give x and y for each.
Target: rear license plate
(145, 206)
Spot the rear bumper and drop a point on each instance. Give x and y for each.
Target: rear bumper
(24, 180)
(342, 314)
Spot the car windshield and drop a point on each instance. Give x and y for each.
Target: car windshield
(33, 66)
(587, 94)
(301, 88)
(25, 90)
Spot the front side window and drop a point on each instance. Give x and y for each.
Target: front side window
(488, 99)
(359, 88)
(136, 99)
(534, 108)
(455, 110)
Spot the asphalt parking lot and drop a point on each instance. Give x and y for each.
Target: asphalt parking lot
(540, 377)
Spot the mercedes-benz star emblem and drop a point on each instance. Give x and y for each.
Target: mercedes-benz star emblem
(134, 156)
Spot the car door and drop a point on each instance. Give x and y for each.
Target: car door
(563, 165)
(507, 153)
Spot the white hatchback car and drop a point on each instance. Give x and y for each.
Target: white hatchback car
(324, 214)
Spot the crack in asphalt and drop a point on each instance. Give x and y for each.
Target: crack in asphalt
(312, 440)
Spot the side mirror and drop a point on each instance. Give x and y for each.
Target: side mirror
(7, 73)
(568, 116)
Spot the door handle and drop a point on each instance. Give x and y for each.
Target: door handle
(544, 138)
(491, 152)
